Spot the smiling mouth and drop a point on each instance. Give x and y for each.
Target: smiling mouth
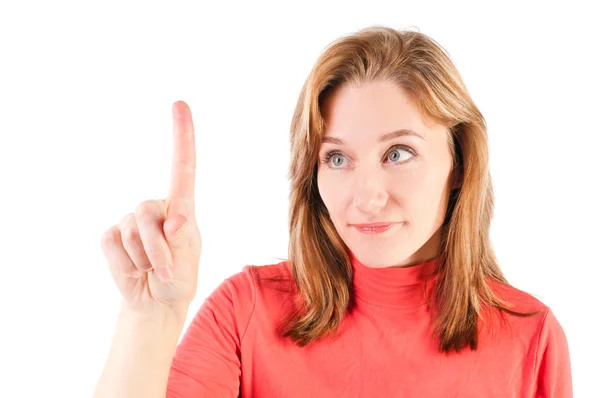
(375, 229)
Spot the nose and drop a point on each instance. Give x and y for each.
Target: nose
(370, 193)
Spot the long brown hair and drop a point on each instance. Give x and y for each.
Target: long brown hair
(318, 259)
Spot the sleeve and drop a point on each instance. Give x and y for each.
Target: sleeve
(207, 361)
(553, 362)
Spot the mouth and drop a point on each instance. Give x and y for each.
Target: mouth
(375, 228)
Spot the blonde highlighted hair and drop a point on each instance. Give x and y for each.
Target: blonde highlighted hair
(318, 258)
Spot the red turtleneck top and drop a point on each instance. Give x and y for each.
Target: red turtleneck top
(383, 349)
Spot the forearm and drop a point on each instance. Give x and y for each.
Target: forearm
(141, 353)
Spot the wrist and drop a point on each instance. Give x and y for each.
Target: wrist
(157, 312)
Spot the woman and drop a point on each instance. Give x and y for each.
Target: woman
(391, 288)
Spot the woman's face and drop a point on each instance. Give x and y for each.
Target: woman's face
(404, 179)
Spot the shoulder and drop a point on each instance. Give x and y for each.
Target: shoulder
(546, 321)
(538, 327)
(260, 285)
(238, 298)
(253, 277)
(518, 300)
(546, 343)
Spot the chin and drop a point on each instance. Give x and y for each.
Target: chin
(378, 257)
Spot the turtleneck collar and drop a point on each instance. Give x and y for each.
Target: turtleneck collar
(393, 287)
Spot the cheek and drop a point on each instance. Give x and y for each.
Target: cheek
(415, 191)
(422, 195)
(410, 185)
(331, 190)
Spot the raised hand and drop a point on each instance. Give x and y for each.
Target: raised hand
(153, 254)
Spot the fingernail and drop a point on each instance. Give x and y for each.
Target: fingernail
(164, 273)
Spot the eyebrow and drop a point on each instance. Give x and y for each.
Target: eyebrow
(383, 138)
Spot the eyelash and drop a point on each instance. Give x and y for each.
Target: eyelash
(330, 154)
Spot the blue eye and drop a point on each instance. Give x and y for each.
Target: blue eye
(329, 155)
(395, 149)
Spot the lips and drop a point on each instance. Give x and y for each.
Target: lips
(374, 224)
(374, 228)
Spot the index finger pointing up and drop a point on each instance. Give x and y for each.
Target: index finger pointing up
(183, 169)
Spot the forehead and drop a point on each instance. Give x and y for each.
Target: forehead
(371, 108)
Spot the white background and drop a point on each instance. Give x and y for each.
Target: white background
(86, 90)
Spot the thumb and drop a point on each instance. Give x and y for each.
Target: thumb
(174, 229)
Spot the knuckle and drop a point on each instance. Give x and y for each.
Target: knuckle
(128, 221)
(109, 238)
(129, 234)
(128, 227)
(146, 210)
(185, 165)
